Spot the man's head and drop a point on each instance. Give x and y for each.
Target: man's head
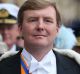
(39, 21)
(8, 23)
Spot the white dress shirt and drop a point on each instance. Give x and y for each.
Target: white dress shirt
(13, 48)
(46, 66)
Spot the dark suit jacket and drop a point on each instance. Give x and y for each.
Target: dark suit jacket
(65, 65)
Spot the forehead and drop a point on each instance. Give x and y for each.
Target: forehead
(48, 11)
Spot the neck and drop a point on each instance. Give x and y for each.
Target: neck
(39, 53)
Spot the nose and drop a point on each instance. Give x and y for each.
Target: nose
(40, 25)
(5, 30)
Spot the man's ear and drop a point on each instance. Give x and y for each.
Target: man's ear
(58, 27)
(20, 27)
(20, 30)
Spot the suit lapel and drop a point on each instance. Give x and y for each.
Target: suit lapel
(60, 69)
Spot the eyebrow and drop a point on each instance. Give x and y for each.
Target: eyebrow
(47, 17)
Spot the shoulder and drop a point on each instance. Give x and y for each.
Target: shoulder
(11, 53)
(66, 61)
(10, 64)
(9, 56)
(68, 58)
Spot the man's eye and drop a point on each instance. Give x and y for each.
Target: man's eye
(49, 21)
(32, 20)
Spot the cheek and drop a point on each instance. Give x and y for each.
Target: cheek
(25, 31)
(27, 28)
(14, 34)
(54, 32)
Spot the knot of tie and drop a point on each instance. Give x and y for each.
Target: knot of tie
(35, 65)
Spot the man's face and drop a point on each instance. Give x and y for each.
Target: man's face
(39, 27)
(9, 33)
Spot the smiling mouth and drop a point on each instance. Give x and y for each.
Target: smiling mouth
(40, 35)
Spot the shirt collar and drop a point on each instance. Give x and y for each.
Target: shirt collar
(13, 48)
(46, 63)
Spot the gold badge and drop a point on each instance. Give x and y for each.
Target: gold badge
(3, 13)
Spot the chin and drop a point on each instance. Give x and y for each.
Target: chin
(41, 43)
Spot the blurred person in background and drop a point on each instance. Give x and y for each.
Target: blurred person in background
(8, 24)
(3, 46)
(65, 38)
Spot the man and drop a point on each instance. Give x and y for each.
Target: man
(39, 23)
(8, 24)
